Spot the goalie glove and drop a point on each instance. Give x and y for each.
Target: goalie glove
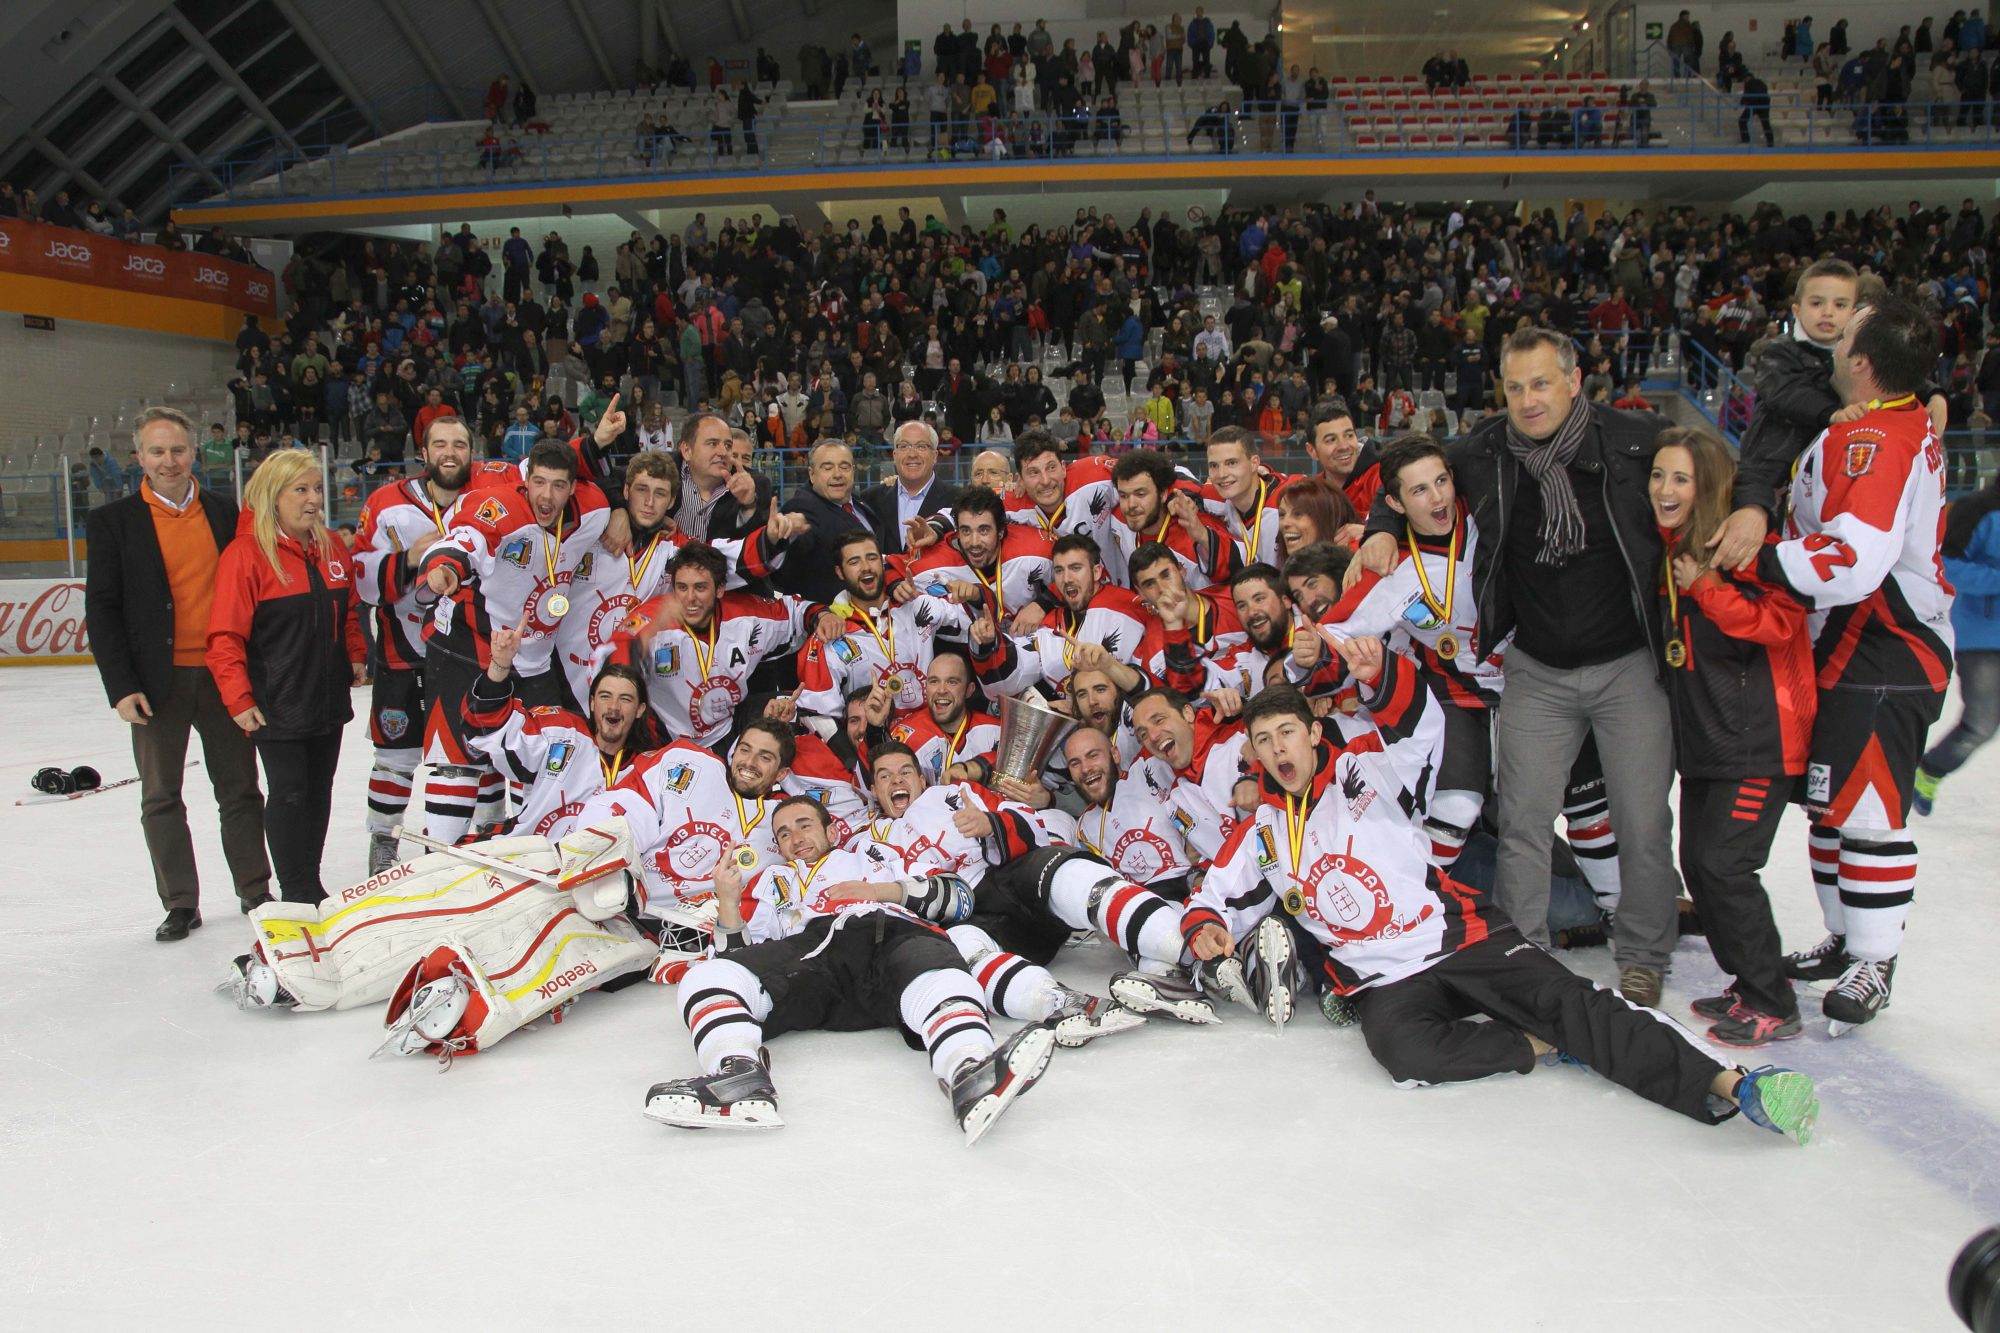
(945, 899)
(592, 867)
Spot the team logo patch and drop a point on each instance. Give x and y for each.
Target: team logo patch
(678, 777)
(489, 511)
(1355, 789)
(395, 723)
(843, 650)
(559, 755)
(1819, 783)
(515, 552)
(585, 565)
(1860, 458)
(1267, 849)
(666, 660)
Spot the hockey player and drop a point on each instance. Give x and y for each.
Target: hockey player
(506, 561)
(696, 645)
(1194, 640)
(1060, 497)
(399, 524)
(1344, 458)
(986, 559)
(607, 587)
(1861, 552)
(1243, 493)
(1029, 895)
(560, 759)
(1211, 781)
(1090, 613)
(1154, 505)
(1335, 843)
(844, 957)
(951, 739)
(1426, 602)
(685, 806)
(881, 639)
(1130, 819)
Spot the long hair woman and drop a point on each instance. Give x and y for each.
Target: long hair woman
(1739, 669)
(1311, 509)
(285, 648)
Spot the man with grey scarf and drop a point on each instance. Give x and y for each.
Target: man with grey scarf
(1568, 561)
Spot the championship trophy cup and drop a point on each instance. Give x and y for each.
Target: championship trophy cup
(1029, 733)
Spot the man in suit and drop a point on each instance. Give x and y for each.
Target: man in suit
(916, 492)
(720, 498)
(152, 574)
(810, 567)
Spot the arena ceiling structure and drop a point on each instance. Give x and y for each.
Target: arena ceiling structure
(138, 102)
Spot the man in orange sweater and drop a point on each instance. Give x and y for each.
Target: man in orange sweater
(151, 577)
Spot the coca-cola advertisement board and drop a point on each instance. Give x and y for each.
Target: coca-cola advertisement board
(41, 622)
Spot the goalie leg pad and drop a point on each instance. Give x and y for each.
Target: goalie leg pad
(351, 949)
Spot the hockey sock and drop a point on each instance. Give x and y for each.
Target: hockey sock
(1877, 882)
(492, 804)
(1595, 845)
(1013, 986)
(448, 799)
(1823, 846)
(1448, 823)
(724, 1006)
(943, 1007)
(389, 783)
(1085, 895)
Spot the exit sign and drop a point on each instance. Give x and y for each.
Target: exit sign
(1655, 31)
(38, 322)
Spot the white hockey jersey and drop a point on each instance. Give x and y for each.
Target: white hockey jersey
(395, 519)
(1205, 789)
(785, 897)
(1861, 551)
(1395, 608)
(1143, 830)
(1017, 663)
(513, 572)
(976, 736)
(925, 841)
(1023, 570)
(1257, 537)
(682, 813)
(1351, 861)
(550, 752)
(897, 639)
(694, 681)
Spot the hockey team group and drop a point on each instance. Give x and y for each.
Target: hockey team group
(1280, 732)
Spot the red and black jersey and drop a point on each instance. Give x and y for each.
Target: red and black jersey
(1744, 696)
(284, 640)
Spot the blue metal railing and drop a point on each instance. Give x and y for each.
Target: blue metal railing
(1691, 118)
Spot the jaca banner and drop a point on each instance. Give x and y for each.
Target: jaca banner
(42, 251)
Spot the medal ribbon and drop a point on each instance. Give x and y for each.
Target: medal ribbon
(1442, 610)
(612, 767)
(554, 549)
(743, 819)
(1257, 529)
(638, 567)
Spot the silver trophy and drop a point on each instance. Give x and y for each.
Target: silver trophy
(1029, 733)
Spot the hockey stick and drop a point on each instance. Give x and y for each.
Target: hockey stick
(471, 857)
(57, 797)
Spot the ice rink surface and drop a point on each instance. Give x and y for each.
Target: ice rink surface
(171, 1162)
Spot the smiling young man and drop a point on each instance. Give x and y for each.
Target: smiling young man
(1154, 505)
(1336, 844)
(1243, 493)
(1094, 623)
(560, 759)
(1059, 497)
(1568, 552)
(881, 640)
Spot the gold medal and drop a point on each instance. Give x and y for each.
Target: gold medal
(1677, 650)
(1447, 646)
(745, 858)
(1447, 642)
(558, 606)
(1295, 901)
(1677, 653)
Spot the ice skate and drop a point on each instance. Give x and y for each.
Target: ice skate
(1143, 993)
(1861, 993)
(982, 1090)
(1268, 971)
(1222, 979)
(253, 984)
(737, 1096)
(1082, 1018)
(1825, 961)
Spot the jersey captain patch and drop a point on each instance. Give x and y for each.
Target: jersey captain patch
(1860, 457)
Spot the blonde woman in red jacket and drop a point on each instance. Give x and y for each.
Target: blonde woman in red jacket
(285, 647)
